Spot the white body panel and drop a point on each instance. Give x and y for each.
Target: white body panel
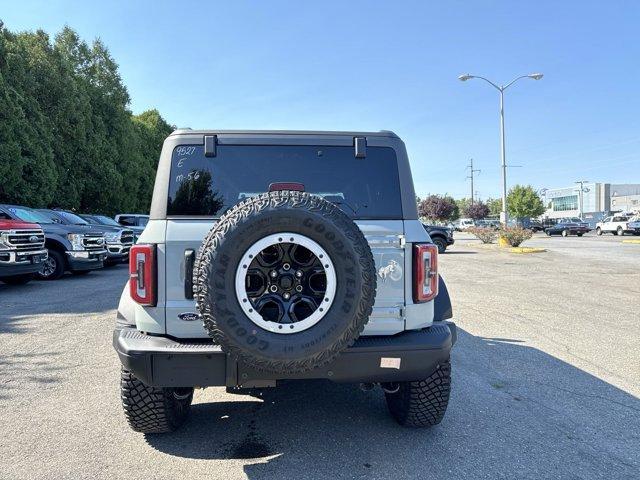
(390, 242)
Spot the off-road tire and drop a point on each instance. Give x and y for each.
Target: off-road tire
(59, 266)
(18, 279)
(242, 226)
(421, 403)
(153, 409)
(440, 243)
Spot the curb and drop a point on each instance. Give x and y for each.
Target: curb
(526, 250)
(631, 241)
(485, 246)
(496, 248)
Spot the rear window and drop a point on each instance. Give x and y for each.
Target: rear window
(362, 187)
(127, 221)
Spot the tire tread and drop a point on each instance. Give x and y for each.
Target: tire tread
(422, 403)
(150, 409)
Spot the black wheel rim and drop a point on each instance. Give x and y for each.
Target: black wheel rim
(288, 285)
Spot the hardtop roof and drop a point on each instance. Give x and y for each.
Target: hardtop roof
(188, 131)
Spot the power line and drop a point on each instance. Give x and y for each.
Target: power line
(471, 172)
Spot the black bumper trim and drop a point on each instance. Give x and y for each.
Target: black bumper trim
(8, 270)
(164, 362)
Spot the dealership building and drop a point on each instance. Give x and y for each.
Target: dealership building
(594, 202)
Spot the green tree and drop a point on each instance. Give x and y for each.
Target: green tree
(462, 204)
(495, 206)
(524, 202)
(67, 137)
(27, 168)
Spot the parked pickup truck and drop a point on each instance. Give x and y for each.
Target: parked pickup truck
(135, 221)
(118, 241)
(103, 220)
(70, 247)
(301, 256)
(442, 237)
(618, 225)
(463, 224)
(22, 250)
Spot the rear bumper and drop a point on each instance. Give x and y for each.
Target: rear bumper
(164, 362)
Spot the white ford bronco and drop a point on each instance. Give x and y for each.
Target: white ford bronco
(277, 255)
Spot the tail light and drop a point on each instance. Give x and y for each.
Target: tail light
(142, 274)
(425, 272)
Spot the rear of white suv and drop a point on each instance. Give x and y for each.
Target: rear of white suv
(202, 176)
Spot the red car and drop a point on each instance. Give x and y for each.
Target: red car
(21, 251)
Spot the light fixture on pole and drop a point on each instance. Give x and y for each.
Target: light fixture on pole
(535, 76)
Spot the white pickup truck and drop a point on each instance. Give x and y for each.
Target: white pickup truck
(618, 225)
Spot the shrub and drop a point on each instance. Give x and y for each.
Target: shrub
(515, 235)
(486, 235)
(477, 211)
(437, 207)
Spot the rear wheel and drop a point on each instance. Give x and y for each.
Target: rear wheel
(620, 231)
(579, 234)
(440, 243)
(52, 267)
(598, 231)
(18, 279)
(153, 409)
(421, 403)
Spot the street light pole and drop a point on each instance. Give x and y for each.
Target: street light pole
(504, 217)
(581, 193)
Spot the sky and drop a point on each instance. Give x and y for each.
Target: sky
(372, 66)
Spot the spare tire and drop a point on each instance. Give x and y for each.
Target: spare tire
(285, 281)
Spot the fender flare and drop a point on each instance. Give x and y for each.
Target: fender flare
(442, 309)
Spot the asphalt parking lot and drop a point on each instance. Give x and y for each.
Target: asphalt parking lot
(546, 384)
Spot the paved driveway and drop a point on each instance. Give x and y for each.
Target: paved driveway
(546, 380)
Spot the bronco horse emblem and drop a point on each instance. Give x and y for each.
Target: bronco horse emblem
(392, 271)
